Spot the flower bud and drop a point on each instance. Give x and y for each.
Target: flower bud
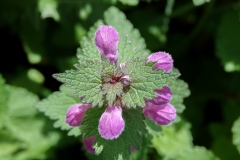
(160, 115)
(111, 123)
(163, 59)
(75, 114)
(125, 80)
(164, 95)
(106, 40)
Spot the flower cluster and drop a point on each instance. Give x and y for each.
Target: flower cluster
(111, 123)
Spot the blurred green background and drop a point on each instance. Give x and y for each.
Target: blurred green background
(39, 38)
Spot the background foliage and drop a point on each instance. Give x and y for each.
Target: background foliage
(41, 37)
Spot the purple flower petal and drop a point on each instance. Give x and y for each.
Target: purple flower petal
(88, 144)
(160, 115)
(111, 123)
(164, 95)
(132, 149)
(163, 59)
(106, 40)
(75, 114)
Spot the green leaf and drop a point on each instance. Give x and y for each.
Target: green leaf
(196, 153)
(236, 133)
(68, 92)
(130, 2)
(199, 2)
(55, 107)
(227, 41)
(20, 114)
(135, 128)
(85, 81)
(117, 148)
(112, 91)
(33, 56)
(174, 138)
(179, 91)
(29, 130)
(220, 134)
(131, 44)
(143, 82)
(48, 9)
(76, 131)
(19, 107)
(90, 122)
(88, 47)
(128, 49)
(109, 69)
(153, 128)
(25, 127)
(8, 143)
(40, 149)
(142, 154)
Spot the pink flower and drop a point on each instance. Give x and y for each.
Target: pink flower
(111, 123)
(158, 109)
(161, 115)
(75, 114)
(106, 40)
(163, 59)
(88, 144)
(164, 95)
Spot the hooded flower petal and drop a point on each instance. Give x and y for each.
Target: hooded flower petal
(75, 114)
(163, 59)
(111, 123)
(160, 115)
(164, 95)
(106, 40)
(88, 144)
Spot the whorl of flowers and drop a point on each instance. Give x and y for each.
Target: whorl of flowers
(111, 123)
